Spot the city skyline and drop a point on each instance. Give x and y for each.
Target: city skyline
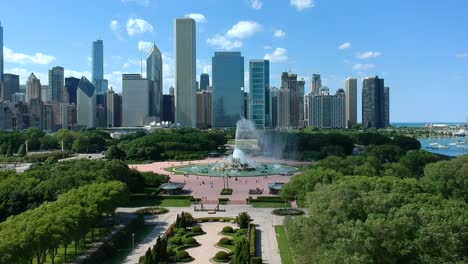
(344, 51)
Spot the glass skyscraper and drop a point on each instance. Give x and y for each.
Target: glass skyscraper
(204, 81)
(228, 88)
(71, 84)
(97, 63)
(11, 85)
(259, 93)
(185, 72)
(1, 52)
(154, 74)
(56, 84)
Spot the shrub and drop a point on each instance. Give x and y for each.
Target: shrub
(243, 220)
(182, 255)
(228, 229)
(190, 241)
(197, 229)
(225, 241)
(152, 211)
(287, 211)
(226, 191)
(221, 256)
(252, 240)
(256, 260)
(175, 240)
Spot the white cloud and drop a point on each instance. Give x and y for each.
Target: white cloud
(278, 55)
(77, 74)
(368, 54)
(138, 26)
(144, 45)
(256, 4)
(224, 42)
(279, 33)
(199, 18)
(116, 28)
(267, 47)
(135, 65)
(363, 67)
(21, 58)
(115, 80)
(203, 67)
(345, 45)
(24, 74)
(168, 72)
(243, 29)
(462, 55)
(144, 3)
(302, 4)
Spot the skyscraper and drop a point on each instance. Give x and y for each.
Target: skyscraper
(97, 62)
(327, 111)
(316, 84)
(168, 108)
(351, 102)
(135, 100)
(71, 86)
(374, 106)
(204, 81)
(33, 88)
(204, 108)
(56, 84)
(86, 103)
(10, 86)
(274, 106)
(1, 53)
(154, 69)
(296, 92)
(228, 84)
(386, 106)
(185, 72)
(259, 93)
(283, 112)
(114, 108)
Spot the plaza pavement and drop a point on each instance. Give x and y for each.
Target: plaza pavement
(208, 188)
(262, 217)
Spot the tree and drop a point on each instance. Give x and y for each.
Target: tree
(243, 220)
(48, 142)
(21, 151)
(114, 152)
(241, 251)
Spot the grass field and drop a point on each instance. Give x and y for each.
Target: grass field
(173, 202)
(283, 243)
(270, 205)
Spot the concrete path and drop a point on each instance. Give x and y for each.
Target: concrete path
(263, 217)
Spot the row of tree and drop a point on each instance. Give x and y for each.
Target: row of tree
(40, 232)
(381, 219)
(46, 181)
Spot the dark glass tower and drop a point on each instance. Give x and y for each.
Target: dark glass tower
(71, 84)
(375, 108)
(204, 81)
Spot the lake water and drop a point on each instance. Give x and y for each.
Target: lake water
(452, 146)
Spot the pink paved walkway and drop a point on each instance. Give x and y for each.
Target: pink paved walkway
(208, 188)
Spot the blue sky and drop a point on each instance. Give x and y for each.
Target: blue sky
(420, 47)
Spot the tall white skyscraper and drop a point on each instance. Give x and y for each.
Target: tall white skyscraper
(351, 102)
(33, 88)
(135, 100)
(154, 69)
(185, 72)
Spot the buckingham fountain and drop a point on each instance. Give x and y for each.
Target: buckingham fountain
(240, 163)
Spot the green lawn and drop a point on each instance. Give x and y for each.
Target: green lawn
(270, 205)
(283, 244)
(173, 202)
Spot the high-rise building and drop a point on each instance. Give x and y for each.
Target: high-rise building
(374, 107)
(168, 108)
(135, 100)
(56, 84)
(307, 109)
(33, 88)
(204, 108)
(204, 81)
(274, 106)
(386, 106)
(86, 103)
(316, 84)
(171, 91)
(71, 86)
(48, 121)
(10, 86)
(154, 69)
(296, 92)
(45, 93)
(114, 109)
(327, 111)
(18, 97)
(36, 110)
(6, 117)
(283, 112)
(351, 102)
(259, 93)
(228, 88)
(185, 72)
(1, 53)
(97, 63)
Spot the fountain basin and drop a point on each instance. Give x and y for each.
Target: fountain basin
(215, 169)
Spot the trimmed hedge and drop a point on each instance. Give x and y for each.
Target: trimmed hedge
(221, 256)
(190, 241)
(214, 219)
(256, 260)
(183, 256)
(152, 211)
(228, 229)
(225, 241)
(226, 191)
(287, 211)
(253, 241)
(197, 229)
